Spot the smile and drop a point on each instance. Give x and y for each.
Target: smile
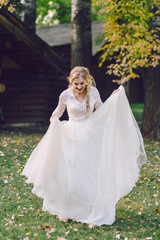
(80, 89)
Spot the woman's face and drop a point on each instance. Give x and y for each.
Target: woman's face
(79, 85)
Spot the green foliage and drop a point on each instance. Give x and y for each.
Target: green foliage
(132, 40)
(51, 12)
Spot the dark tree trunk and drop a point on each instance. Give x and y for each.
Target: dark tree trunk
(1, 57)
(29, 14)
(81, 50)
(1, 90)
(151, 116)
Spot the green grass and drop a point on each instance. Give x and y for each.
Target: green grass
(137, 109)
(137, 105)
(21, 217)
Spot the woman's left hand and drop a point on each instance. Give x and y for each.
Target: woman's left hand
(117, 90)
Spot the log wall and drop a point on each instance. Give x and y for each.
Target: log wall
(29, 97)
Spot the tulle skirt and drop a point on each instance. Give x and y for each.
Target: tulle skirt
(81, 168)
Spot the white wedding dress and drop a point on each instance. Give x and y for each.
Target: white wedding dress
(83, 166)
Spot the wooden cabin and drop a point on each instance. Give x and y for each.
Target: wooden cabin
(32, 74)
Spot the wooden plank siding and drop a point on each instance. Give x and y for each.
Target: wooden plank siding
(34, 103)
(23, 106)
(31, 71)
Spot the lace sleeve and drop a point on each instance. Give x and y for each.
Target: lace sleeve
(61, 105)
(98, 101)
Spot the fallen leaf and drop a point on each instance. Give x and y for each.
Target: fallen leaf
(156, 203)
(47, 227)
(118, 236)
(39, 227)
(48, 235)
(75, 229)
(128, 199)
(141, 206)
(66, 233)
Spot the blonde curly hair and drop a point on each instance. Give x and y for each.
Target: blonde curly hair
(84, 73)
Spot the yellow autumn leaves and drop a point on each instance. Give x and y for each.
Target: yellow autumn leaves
(131, 36)
(5, 3)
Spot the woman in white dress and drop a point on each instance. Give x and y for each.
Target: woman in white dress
(83, 166)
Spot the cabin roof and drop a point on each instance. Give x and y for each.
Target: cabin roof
(24, 47)
(61, 35)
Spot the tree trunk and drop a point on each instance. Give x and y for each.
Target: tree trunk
(151, 116)
(1, 88)
(29, 13)
(126, 86)
(81, 49)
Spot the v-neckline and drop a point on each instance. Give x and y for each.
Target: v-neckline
(76, 98)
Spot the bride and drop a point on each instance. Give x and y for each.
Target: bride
(83, 166)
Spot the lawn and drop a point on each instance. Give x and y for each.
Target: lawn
(137, 215)
(137, 109)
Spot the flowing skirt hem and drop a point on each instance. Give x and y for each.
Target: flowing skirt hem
(84, 167)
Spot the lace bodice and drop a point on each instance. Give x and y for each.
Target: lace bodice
(75, 109)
